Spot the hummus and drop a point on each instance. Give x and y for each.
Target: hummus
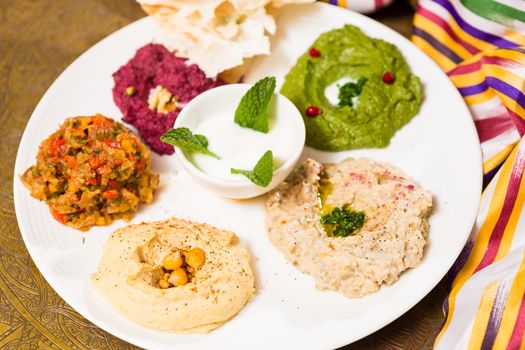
(392, 239)
(387, 94)
(130, 269)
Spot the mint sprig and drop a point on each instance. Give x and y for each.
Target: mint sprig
(252, 111)
(262, 173)
(187, 141)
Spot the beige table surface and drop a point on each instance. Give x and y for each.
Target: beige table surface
(39, 39)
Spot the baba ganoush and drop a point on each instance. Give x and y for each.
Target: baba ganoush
(378, 93)
(134, 264)
(391, 240)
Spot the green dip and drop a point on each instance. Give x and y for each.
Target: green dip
(382, 108)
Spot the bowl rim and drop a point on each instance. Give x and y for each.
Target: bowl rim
(286, 167)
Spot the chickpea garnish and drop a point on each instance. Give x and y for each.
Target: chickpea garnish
(164, 284)
(179, 267)
(195, 257)
(178, 277)
(172, 261)
(130, 91)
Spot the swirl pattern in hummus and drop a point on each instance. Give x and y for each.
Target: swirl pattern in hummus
(391, 240)
(128, 270)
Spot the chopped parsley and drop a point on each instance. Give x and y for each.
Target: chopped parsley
(350, 90)
(343, 222)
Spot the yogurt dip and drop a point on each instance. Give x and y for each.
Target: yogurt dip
(212, 114)
(240, 147)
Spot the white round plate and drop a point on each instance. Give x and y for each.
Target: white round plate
(439, 148)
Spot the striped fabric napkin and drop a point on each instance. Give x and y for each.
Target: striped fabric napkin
(363, 6)
(480, 44)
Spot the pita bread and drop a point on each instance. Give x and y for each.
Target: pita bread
(217, 35)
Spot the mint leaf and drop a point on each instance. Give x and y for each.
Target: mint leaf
(186, 141)
(350, 90)
(252, 111)
(202, 139)
(262, 172)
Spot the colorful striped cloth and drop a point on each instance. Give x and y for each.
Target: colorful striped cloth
(486, 305)
(363, 6)
(481, 46)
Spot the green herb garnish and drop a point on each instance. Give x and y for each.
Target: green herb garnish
(187, 141)
(202, 139)
(252, 111)
(343, 222)
(349, 91)
(262, 172)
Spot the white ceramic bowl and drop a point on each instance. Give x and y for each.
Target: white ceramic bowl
(226, 99)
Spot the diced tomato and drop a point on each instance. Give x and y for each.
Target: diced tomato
(140, 165)
(112, 144)
(113, 185)
(93, 181)
(57, 146)
(70, 161)
(95, 162)
(58, 216)
(110, 194)
(100, 121)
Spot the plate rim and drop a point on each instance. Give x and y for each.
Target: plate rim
(332, 344)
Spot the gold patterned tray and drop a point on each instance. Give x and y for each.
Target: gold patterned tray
(37, 41)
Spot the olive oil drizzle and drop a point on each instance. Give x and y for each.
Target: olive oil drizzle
(324, 190)
(336, 222)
